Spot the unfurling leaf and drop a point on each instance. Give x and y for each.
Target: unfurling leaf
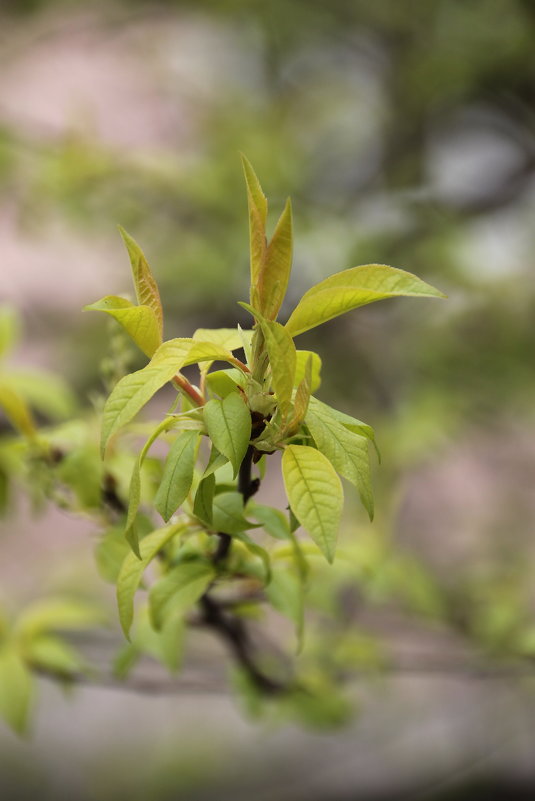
(352, 288)
(139, 322)
(257, 204)
(229, 427)
(315, 494)
(274, 278)
(146, 287)
(302, 357)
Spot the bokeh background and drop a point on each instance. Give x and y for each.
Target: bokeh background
(405, 135)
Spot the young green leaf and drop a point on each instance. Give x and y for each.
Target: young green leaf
(302, 398)
(146, 287)
(286, 593)
(357, 426)
(133, 391)
(139, 322)
(273, 520)
(276, 271)
(352, 288)
(228, 338)
(315, 494)
(179, 590)
(16, 688)
(177, 474)
(347, 452)
(257, 204)
(57, 614)
(133, 568)
(223, 382)
(302, 357)
(229, 427)
(52, 655)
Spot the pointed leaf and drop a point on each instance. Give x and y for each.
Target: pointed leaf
(273, 520)
(146, 287)
(229, 427)
(352, 288)
(357, 426)
(276, 271)
(347, 452)
(315, 494)
(139, 322)
(57, 615)
(133, 568)
(257, 203)
(177, 474)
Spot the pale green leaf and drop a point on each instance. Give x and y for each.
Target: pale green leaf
(278, 264)
(352, 288)
(16, 688)
(57, 614)
(229, 427)
(315, 494)
(139, 322)
(357, 426)
(177, 474)
(133, 568)
(215, 462)
(16, 410)
(286, 593)
(302, 357)
(229, 338)
(45, 392)
(348, 452)
(179, 590)
(302, 398)
(146, 287)
(223, 382)
(54, 656)
(110, 553)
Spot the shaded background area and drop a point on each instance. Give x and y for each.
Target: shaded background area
(405, 135)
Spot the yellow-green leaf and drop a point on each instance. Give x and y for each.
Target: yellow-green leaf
(348, 452)
(133, 568)
(302, 357)
(139, 322)
(179, 590)
(352, 288)
(278, 264)
(9, 329)
(146, 287)
(315, 494)
(257, 203)
(133, 391)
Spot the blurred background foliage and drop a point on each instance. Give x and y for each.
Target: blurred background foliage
(404, 133)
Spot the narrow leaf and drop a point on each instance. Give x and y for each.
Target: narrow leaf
(177, 474)
(315, 494)
(139, 322)
(276, 271)
(257, 203)
(133, 568)
(229, 427)
(146, 287)
(302, 357)
(352, 288)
